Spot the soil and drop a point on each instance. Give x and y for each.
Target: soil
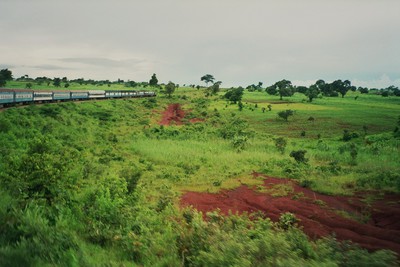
(373, 225)
(174, 115)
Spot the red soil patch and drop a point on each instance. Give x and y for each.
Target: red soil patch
(174, 115)
(319, 214)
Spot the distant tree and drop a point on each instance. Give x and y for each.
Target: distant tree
(286, 114)
(207, 78)
(301, 89)
(363, 90)
(131, 84)
(213, 89)
(234, 95)
(271, 90)
(283, 88)
(170, 88)
(341, 87)
(66, 85)
(5, 75)
(153, 81)
(312, 92)
(28, 85)
(57, 82)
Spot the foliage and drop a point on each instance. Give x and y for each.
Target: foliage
(153, 81)
(299, 156)
(98, 183)
(5, 75)
(280, 144)
(234, 95)
(207, 78)
(285, 114)
(170, 88)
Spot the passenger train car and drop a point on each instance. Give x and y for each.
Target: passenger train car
(9, 97)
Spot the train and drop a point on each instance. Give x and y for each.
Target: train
(10, 97)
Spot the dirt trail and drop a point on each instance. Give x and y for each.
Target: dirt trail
(320, 215)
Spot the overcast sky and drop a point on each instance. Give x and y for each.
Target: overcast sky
(240, 42)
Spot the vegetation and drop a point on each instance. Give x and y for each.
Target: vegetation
(5, 75)
(98, 183)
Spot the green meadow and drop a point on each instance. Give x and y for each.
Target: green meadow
(97, 183)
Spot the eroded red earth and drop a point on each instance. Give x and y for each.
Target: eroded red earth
(174, 114)
(373, 225)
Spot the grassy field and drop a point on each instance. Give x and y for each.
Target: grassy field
(98, 182)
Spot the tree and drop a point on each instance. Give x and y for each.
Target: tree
(299, 156)
(283, 87)
(213, 89)
(153, 81)
(286, 114)
(312, 92)
(234, 95)
(271, 90)
(57, 82)
(170, 88)
(341, 86)
(207, 78)
(5, 75)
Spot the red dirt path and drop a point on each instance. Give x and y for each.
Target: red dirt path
(319, 214)
(174, 115)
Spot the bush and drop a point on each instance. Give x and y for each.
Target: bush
(285, 114)
(287, 220)
(347, 136)
(280, 144)
(299, 156)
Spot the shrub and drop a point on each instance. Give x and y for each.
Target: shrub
(280, 144)
(347, 136)
(286, 114)
(299, 156)
(287, 220)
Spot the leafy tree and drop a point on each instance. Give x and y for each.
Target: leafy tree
(312, 92)
(363, 90)
(341, 87)
(57, 82)
(286, 114)
(5, 75)
(299, 156)
(234, 95)
(170, 88)
(28, 85)
(301, 89)
(271, 90)
(207, 78)
(283, 87)
(153, 81)
(213, 89)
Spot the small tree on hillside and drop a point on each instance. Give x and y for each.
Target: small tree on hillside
(5, 75)
(299, 156)
(286, 114)
(170, 88)
(207, 78)
(213, 89)
(57, 82)
(153, 81)
(312, 92)
(234, 95)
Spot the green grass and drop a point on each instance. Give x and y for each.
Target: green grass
(116, 200)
